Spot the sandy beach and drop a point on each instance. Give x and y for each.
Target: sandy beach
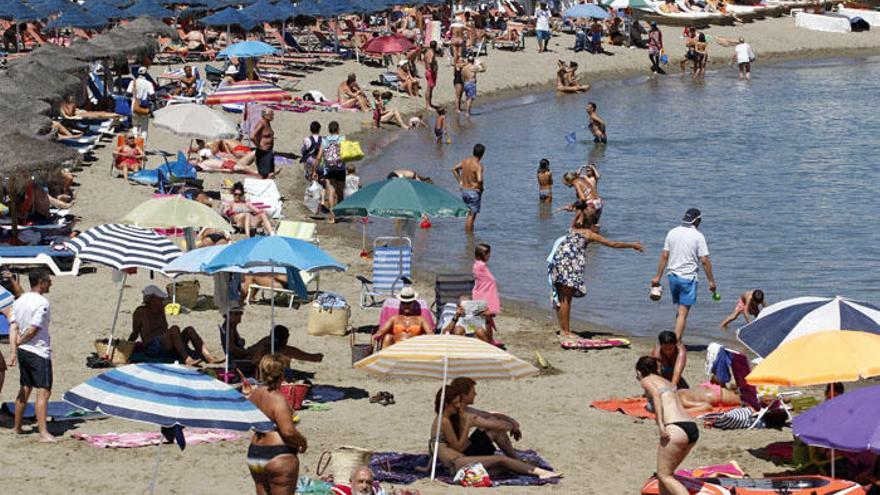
(599, 452)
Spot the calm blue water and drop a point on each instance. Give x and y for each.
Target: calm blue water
(784, 168)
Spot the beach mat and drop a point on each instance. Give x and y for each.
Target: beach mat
(194, 436)
(637, 407)
(402, 468)
(591, 344)
(330, 393)
(57, 411)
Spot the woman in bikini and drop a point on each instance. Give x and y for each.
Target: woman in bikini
(272, 456)
(545, 181)
(749, 304)
(701, 49)
(129, 157)
(409, 323)
(678, 431)
(586, 188)
(224, 162)
(245, 215)
(455, 424)
(708, 396)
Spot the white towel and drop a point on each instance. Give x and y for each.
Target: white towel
(712, 354)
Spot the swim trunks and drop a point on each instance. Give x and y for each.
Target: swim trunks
(473, 199)
(154, 348)
(431, 78)
(684, 290)
(265, 162)
(34, 370)
(470, 90)
(542, 35)
(544, 193)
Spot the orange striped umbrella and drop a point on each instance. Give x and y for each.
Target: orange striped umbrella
(246, 92)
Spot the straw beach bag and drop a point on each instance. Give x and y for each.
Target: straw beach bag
(342, 461)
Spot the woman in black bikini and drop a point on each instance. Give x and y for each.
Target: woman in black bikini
(458, 82)
(678, 431)
(272, 456)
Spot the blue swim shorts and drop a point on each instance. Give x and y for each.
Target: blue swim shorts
(472, 199)
(543, 35)
(470, 90)
(684, 290)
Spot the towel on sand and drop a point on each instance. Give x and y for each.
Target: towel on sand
(56, 412)
(194, 436)
(402, 468)
(728, 470)
(637, 407)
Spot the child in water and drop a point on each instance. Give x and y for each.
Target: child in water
(440, 127)
(750, 303)
(545, 181)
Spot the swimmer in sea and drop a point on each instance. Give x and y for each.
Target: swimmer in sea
(597, 124)
(405, 173)
(749, 304)
(545, 181)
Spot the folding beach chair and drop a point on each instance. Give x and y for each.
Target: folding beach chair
(748, 393)
(448, 288)
(304, 231)
(392, 266)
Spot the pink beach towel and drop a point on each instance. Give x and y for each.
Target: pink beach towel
(485, 288)
(728, 470)
(193, 436)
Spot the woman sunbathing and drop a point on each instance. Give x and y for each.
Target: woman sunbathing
(70, 111)
(129, 157)
(455, 425)
(408, 83)
(233, 147)
(208, 162)
(245, 215)
(409, 323)
(706, 396)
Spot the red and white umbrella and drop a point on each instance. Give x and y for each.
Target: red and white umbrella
(247, 91)
(387, 45)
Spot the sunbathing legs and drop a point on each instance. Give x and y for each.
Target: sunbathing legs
(702, 399)
(394, 115)
(500, 463)
(177, 341)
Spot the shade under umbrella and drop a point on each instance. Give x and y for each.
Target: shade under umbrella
(848, 422)
(195, 121)
(247, 49)
(175, 212)
(586, 10)
(387, 45)
(819, 358)
(401, 198)
(787, 320)
(123, 247)
(247, 92)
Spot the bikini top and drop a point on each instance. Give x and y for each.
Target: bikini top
(400, 328)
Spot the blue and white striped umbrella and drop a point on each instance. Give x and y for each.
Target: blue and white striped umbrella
(124, 246)
(6, 299)
(168, 395)
(793, 318)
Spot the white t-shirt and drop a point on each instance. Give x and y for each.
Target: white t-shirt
(32, 309)
(141, 89)
(686, 245)
(744, 53)
(543, 17)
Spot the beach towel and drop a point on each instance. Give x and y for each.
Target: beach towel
(57, 412)
(402, 468)
(194, 436)
(728, 470)
(265, 192)
(329, 393)
(637, 407)
(587, 344)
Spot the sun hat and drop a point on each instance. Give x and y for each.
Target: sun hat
(407, 294)
(691, 216)
(153, 290)
(231, 70)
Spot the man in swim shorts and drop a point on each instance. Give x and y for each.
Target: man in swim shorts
(469, 76)
(469, 174)
(683, 251)
(597, 124)
(263, 137)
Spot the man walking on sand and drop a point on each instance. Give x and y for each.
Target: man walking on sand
(469, 174)
(683, 251)
(32, 347)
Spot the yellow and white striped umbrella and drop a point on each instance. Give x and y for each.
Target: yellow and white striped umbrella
(446, 356)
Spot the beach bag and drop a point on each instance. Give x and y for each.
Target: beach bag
(474, 475)
(122, 350)
(350, 151)
(332, 152)
(735, 419)
(140, 107)
(342, 461)
(312, 197)
(328, 315)
(310, 151)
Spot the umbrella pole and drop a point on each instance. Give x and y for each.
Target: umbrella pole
(116, 316)
(226, 376)
(156, 468)
(272, 313)
(439, 417)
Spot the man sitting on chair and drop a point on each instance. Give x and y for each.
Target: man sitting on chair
(470, 318)
(161, 341)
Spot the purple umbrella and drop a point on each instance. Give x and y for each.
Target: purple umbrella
(848, 422)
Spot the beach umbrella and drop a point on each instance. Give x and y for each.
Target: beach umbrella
(818, 358)
(444, 357)
(175, 212)
(272, 252)
(401, 198)
(247, 49)
(848, 422)
(171, 396)
(101, 9)
(124, 248)
(265, 11)
(120, 43)
(195, 122)
(22, 153)
(146, 25)
(75, 17)
(246, 92)
(586, 10)
(6, 298)
(148, 8)
(16, 11)
(387, 45)
(626, 4)
(787, 320)
(58, 58)
(47, 8)
(228, 16)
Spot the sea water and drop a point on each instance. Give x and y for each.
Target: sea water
(784, 169)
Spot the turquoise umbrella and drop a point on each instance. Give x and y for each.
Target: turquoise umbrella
(401, 198)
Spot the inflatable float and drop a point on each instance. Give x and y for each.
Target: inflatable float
(789, 485)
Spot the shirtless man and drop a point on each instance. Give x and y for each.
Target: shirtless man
(350, 95)
(195, 41)
(148, 322)
(255, 352)
(491, 429)
(469, 77)
(597, 125)
(429, 58)
(263, 136)
(469, 174)
(187, 84)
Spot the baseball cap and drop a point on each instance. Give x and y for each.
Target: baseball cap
(691, 216)
(152, 290)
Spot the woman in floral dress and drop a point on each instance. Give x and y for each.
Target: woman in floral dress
(567, 262)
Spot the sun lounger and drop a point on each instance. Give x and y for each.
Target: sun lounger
(40, 256)
(391, 265)
(824, 23)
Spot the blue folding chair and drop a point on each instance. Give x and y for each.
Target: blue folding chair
(392, 269)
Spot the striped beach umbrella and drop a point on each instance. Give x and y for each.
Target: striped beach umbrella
(6, 299)
(442, 357)
(793, 318)
(247, 91)
(171, 396)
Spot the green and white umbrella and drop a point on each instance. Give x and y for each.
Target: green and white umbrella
(401, 198)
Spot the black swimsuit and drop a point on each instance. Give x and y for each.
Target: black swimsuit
(456, 77)
(690, 429)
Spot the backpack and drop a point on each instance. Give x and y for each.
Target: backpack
(332, 155)
(312, 150)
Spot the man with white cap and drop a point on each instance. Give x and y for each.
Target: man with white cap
(141, 90)
(683, 251)
(161, 341)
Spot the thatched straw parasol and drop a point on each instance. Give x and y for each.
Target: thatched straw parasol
(58, 57)
(36, 78)
(20, 153)
(116, 45)
(149, 26)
